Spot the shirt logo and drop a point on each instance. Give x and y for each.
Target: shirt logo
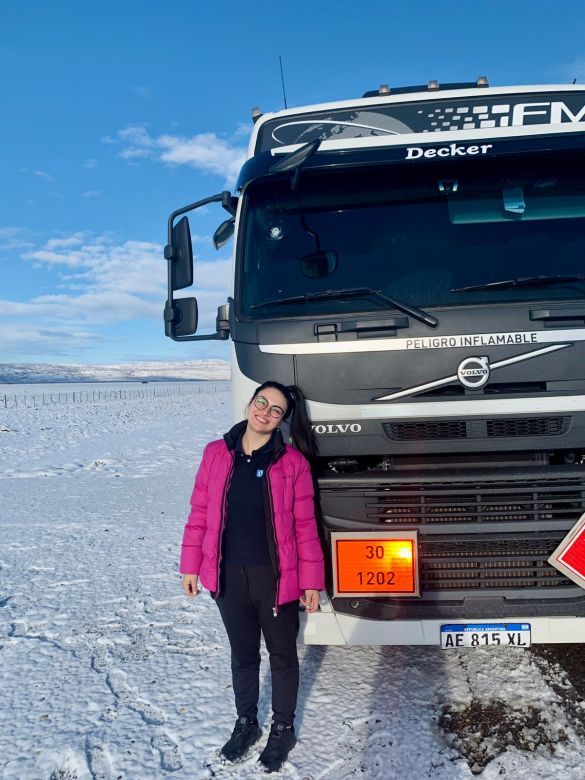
(259, 472)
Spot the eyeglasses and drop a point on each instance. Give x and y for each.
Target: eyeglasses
(274, 411)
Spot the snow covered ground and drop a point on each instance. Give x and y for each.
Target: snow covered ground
(107, 671)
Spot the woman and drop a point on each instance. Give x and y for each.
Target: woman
(252, 539)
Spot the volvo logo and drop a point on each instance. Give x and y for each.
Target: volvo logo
(337, 428)
(474, 372)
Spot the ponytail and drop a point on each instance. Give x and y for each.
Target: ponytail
(300, 426)
(301, 432)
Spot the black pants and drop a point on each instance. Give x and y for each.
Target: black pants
(245, 605)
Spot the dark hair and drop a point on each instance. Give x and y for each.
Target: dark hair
(300, 428)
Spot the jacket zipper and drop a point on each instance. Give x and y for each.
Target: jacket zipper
(226, 487)
(276, 562)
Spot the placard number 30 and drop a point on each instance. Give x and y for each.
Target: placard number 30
(374, 552)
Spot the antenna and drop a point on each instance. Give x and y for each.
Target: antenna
(282, 80)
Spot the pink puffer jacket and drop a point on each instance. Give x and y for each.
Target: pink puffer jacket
(290, 487)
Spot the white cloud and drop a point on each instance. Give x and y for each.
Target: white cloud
(35, 340)
(91, 194)
(206, 152)
(11, 244)
(136, 135)
(135, 152)
(59, 243)
(90, 163)
(101, 282)
(243, 130)
(88, 308)
(43, 175)
(13, 238)
(10, 232)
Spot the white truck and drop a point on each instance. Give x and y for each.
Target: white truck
(414, 260)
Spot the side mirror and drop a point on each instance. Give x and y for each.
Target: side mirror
(319, 264)
(181, 314)
(186, 316)
(223, 233)
(180, 252)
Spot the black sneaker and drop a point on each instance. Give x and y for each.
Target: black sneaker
(281, 741)
(246, 732)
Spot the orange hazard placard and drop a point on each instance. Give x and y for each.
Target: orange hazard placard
(375, 564)
(569, 557)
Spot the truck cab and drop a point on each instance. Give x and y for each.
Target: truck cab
(413, 261)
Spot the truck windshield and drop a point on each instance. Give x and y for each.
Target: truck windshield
(417, 234)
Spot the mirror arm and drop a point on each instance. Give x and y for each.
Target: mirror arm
(202, 337)
(229, 202)
(224, 198)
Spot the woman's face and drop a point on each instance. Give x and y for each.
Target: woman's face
(264, 410)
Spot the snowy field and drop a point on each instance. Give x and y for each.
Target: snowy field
(107, 671)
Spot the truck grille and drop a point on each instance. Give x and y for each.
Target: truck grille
(528, 426)
(476, 503)
(507, 427)
(485, 529)
(489, 563)
(420, 431)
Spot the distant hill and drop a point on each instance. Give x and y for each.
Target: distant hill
(151, 372)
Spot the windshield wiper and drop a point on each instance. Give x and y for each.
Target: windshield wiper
(355, 292)
(522, 281)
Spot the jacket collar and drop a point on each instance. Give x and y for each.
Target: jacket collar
(232, 436)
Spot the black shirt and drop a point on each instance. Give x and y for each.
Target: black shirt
(245, 539)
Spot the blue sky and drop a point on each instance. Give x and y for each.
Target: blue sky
(115, 113)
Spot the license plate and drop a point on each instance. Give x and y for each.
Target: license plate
(459, 635)
(376, 564)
